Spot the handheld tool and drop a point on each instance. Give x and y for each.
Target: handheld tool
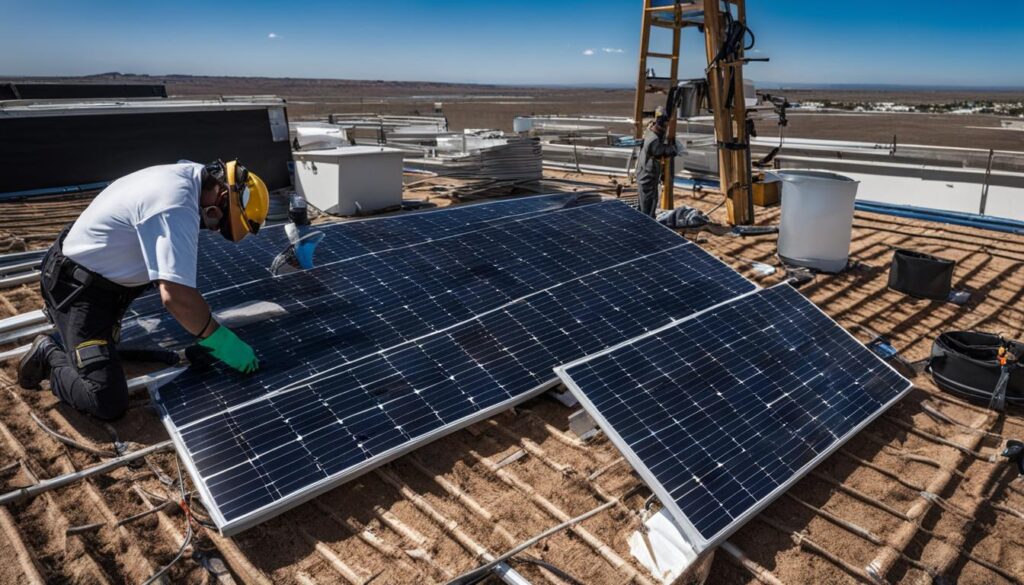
(298, 255)
(882, 346)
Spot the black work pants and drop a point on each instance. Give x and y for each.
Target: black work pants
(85, 370)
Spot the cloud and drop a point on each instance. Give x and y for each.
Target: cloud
(588, 52)
(611, 50)
(272, 35)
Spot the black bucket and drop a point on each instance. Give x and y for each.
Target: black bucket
(921, 275)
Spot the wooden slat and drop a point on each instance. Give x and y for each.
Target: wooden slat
(683, 8)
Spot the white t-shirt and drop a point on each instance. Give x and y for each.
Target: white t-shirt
(143, 227)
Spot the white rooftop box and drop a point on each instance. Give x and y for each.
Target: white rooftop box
(350, 180)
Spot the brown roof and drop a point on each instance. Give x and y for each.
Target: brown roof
(439, 511)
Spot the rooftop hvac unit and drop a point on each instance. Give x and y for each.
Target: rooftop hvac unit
(351, 180)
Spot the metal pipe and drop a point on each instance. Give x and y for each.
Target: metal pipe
(27, 333)
(14, 353)
(19, 280)
(19, 256)
(22, 321)
(17, 267)
(11, 195)
(983, 222)
(481, 571)
(69, 478)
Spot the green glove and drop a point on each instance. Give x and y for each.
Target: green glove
(224, 345)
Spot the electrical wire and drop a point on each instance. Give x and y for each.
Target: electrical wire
(189, 533)
(554, 570)
(735, 33)
(717, 207)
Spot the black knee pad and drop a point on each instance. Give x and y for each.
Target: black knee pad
(91, 355)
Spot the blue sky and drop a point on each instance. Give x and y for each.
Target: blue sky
(909, 42)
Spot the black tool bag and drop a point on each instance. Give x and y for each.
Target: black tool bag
(967, 363)
(921, 276)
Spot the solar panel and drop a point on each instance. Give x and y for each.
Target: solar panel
(345, 310)
(722, 411)
(388, 350)
(250, 259)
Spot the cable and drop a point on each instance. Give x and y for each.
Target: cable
(735, 33)
(177, 557)
(69, 441)
(475, 575)
(717, 207)
(531, 560)
(188, 532)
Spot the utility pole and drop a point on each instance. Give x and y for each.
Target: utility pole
(728, 104)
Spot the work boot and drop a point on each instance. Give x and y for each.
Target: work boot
(34, 366)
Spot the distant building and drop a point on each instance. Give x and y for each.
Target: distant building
(1017, 124)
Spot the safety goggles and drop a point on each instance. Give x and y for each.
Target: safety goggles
(254, 227)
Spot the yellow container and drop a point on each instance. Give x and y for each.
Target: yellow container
(768, 193)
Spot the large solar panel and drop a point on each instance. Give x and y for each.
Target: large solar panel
(722, 411)
(222, 264)
(346, 310)
(381, 352)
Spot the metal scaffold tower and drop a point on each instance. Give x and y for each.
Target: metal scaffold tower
(724, 37)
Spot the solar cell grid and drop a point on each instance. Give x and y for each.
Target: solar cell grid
(583, 279)
(340, 312)
(722, 411)
(250, 259)
(389, 400)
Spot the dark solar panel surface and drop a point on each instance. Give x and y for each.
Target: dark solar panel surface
(722, 411)
(362, 408)
(400, 345)
(346, 310)
(223, 264)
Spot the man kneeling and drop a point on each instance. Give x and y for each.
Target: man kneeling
(141, 230)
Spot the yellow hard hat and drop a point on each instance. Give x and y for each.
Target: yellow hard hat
(248, 202)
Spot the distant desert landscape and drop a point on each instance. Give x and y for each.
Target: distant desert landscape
(494, 106)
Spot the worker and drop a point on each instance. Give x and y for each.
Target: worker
(649, 165)
(141, 230)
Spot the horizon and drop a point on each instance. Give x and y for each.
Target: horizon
(622, 86)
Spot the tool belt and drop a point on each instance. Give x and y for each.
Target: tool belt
(921, 275)
(63, 280)
(967, 363)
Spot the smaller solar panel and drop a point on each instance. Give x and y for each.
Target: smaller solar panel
(723, 411)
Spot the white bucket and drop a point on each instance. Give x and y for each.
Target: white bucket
(817, 219)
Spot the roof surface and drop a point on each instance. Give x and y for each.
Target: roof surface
(437, 512)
